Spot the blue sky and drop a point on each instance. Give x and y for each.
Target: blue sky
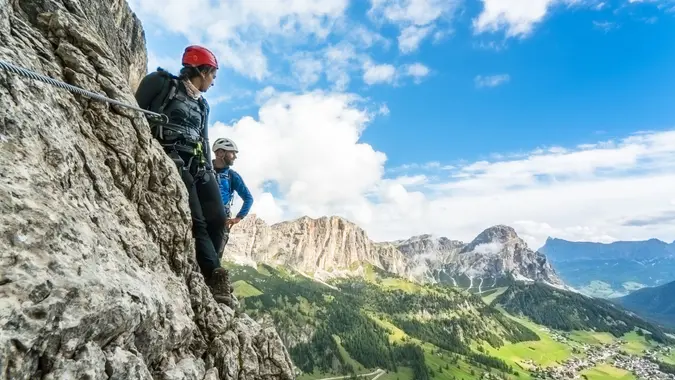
(499, 101)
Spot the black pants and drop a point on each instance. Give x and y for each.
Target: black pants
(208, 215)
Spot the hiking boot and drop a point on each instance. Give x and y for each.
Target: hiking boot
(220, 286)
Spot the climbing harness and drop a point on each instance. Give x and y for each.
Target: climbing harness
(159, 118)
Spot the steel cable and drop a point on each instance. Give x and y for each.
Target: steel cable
(33, 75)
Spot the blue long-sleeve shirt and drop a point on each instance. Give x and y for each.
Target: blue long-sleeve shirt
(229, 185)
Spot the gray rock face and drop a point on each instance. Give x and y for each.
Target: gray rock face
(495, 257)
(98, 277)
(326, 246)
(427, 255)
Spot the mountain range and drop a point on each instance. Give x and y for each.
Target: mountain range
(611, 270)
(331, 247)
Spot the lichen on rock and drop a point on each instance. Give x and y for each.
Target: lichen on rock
(98, 277)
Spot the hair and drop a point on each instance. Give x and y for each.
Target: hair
(189, 72)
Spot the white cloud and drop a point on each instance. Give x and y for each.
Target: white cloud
(416, 18)
(416, 70)
(386, 73)
(518, 18)
(491, 80)
(340, 60)
(307, 69)
(337, 63)
(374, 73)
(410, 38)
(309, 146)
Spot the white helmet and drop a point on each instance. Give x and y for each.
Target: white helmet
(225, 144)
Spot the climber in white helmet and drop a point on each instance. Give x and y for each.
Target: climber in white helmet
(230, 181)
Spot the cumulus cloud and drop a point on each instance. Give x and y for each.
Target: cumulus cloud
(309, 146)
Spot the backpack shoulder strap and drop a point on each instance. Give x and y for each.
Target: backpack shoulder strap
(230, 178)
(170, 91)
(166, 94)
(231, 183)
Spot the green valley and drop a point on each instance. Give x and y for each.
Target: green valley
(378, 321)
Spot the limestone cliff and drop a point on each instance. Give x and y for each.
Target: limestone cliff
(98, 278)
(327, 246)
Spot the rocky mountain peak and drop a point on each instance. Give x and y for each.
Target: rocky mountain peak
(493, 258)
(98, 272)
(499, 234)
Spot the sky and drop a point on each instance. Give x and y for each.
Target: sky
(556, 117)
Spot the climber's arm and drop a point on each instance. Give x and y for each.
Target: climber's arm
(205, 136)
(242, 190)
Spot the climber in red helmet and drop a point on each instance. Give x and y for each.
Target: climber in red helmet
(185, 140)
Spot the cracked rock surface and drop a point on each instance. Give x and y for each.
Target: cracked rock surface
(98, 278)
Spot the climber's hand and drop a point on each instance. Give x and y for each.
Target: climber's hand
(231, 222)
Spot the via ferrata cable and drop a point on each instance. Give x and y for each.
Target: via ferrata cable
(161, 118)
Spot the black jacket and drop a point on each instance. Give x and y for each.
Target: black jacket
(152, 92)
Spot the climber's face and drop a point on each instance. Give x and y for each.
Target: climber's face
(207, 79)
(226, 157)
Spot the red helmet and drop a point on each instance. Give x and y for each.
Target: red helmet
(197, 55)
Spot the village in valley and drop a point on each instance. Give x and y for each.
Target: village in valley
(643, 367)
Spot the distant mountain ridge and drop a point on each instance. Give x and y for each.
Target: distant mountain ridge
(614, 269)
(560, 250)
(654, 303)
(330, 247)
